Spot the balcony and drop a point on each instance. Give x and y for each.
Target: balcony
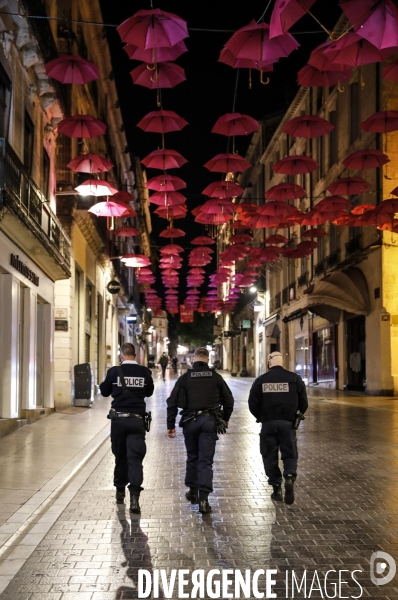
(28, 220)
(319, 268)
(302, 280)
(353, 246)
(333, 259)
(275, 303)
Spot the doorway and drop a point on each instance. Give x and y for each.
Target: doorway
(40, 355)
(356, 353)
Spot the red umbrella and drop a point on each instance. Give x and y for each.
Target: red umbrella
(252, 42)
(202, 240)
(235, 124)
(375, 21)
(360, 209)
(171, 249)
(286, 13)
(382, 122)
(171, 212)
(312, 77)
(333, 203)
(152, 55)
(308, 126)
(389, 207)
(228, 58)
(314, 233)
(167, 198)
(81, 126)
(277, 208)
(123, 196)
(96, 187)
(390, 72)
(126, 232)
(260, 221)
(319, 217)
(227, 163)
(72, 69)
(223, 189)
(213, 219)
(153, 28)
(90, 163)
(165, 75)
(349, 186)
(285, 191)
(217, 205)
(245, 208)
(365, 159)
(172, 232)
(240, 238)
(371, 217)
(293, 165)
(354, 51)
(162, 121)
(165, 183)
(109, 209)
(164, 159)
(320, 61)
(277, 239)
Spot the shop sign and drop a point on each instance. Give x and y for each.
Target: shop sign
(23, 269)
(186, 316)
(113, 287)
(61, 313)
(61, 325)
(246, 323)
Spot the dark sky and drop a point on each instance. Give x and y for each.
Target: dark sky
(209, 90)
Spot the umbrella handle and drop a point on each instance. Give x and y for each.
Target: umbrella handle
(262, 80)
(340, 87)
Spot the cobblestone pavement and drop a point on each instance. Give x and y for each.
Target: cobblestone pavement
(346, 509)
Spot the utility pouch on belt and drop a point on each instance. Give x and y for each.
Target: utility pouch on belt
(112, 414)
(147, 421)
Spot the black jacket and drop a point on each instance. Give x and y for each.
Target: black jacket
(204, 388)
(277, 395)
(139, 383)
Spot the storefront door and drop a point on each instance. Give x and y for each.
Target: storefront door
(356, 353)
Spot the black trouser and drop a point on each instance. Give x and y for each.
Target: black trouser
(200, 442)
(275, 435)
(129, 448)
(164, 371)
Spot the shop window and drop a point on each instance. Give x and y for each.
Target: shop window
(302, 355)
(29, 136)
(325, 355)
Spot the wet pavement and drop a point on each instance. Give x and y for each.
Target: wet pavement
(346, 509)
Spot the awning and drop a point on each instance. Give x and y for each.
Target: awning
(342, 290)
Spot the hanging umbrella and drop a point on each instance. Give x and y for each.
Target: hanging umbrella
(360, 209)
(135, 257)
(164, 160)
(126, 232)
(96, 187)
(372, 217)
(162, 121)
(228, 58)
(109, 209)
(171, 249)
(314, 233)
(308, 126)
(90, 163)
(240, 238)
(165, 183)
(245, 208)
(153, 28)
(260, 221)
(377, 21)
(320, 61)
(123, 196)
(390, 71)
(223, 189)
(233, 124)
(277, 208)
(218, 205)
(167, 198)
(365, 159)
(349, 186)
(172, 232)
(319, 217)
(389, 207)
(72, 69)
(286, 13)
(213, 219)
(252, 41)
(382, 122)
(285, 191)
(354, 51)
(202, 240)
(277, 239)
(81, 126)
(333, 203)
(294, 165)
(161, 54)
(312, 77)
(171, 212)
(165, 75)
(227, 163)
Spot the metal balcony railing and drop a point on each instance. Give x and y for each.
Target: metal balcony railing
(23, 197)
(333, 259)
(319, 267)
(354, 245)
(302, 280)
(275, 302)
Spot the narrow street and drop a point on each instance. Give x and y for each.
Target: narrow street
(82, 546)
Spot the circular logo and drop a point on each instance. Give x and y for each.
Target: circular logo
(113, 287)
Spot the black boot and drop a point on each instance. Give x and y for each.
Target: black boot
(277, 493)
(120, 495)
(204, 506)
(192, 496)
(134, 504)
(289, 489)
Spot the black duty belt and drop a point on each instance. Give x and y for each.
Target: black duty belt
(129, 415)
(195, 413)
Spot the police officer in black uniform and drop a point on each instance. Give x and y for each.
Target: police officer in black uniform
(275, 399)
(200, 392)
(128, 387)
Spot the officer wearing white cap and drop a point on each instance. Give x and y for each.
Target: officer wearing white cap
(276, 399)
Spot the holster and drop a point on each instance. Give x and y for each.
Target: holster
(112, 414)
(147, 421)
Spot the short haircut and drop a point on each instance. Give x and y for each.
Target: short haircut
(127, 349)
(201, 353)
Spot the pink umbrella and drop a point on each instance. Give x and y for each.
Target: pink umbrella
(377, 22)
(172, 232)
(162, 121)
(308, 126)
(81, 126)
(167, 198)
(354, 51)
(171, 212)
(389, 207)
(382, 122)
(312, 77)
(202, 240)
(126, 232)
(277, 239)
(217, 205)
(227, 163)
(165, 183)
(286, 13)
(390, 72)
(153, 28)
(349, 186)
(285, 191)
(223, 189)
(295, 164)
(233, 124)
(164, 160)
(277, 208)
(155, 55)
(96, 187)
(109, 209)
(90, 163)
(123, 196)
(253, 42)
(213, 219)
(165, 75)
(240, 237)
(365, 159)
(72, 69)
(171, 249)
(320, 61)
(228, 58)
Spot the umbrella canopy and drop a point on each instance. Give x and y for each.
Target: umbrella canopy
(218, 205)
(354, 51)
(165, 183)
(320, 61)
(164, 160)
(286, 13)
(96, 187)
(360, 209)
(277, 208)
(223, 189)
(296, 164)
(165, 75)
(390, 72)
(377, 22)
(109, 209)
(167, 198)
(333, 203)
(153, 28)
(90, 163)
(313, 77)
(72, 69)
(308, 126)
(123, 196)
(235, 124)
(382, 122)
(372, 217)
(228, 58)
(131, 258)
(126, 232)
(171, 212)
(277, 239)
(240, 238)
(253, 42)
(389, 207)
(172, 232)
(314, 233)
(171, 249)
(213, 219)
(285, 191)
(162, 121)
(227, 163)
(152, 55)
(81, 126)
(349, 186)
(202, 240)
(365, 159)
